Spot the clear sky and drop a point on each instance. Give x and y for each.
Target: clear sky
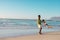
(29, 9)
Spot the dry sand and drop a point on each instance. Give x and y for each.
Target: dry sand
(44, 36)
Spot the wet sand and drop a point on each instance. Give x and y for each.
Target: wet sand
(44, 36)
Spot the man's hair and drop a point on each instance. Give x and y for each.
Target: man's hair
(39, 16)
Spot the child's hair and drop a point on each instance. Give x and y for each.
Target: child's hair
(43, 20)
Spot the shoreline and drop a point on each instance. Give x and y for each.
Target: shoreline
(44, 36)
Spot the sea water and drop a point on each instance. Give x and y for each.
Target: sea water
(21, 27)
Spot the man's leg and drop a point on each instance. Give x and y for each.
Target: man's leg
(40, 30)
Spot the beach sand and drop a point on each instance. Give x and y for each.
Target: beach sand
(44, 36)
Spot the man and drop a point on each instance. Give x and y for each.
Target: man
(39, 23)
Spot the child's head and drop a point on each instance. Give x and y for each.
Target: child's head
(43, 20)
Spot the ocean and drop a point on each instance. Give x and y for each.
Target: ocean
(21, 27)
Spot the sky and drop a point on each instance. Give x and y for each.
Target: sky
(29, 9)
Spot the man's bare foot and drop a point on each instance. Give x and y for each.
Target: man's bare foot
(40, 33)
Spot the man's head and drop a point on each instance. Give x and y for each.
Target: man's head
(39, 16)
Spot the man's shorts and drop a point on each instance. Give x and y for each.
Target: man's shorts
(39, 26)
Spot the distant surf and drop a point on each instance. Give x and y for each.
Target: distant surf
(19, 27)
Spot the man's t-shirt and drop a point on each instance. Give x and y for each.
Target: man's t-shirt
(39, 22)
